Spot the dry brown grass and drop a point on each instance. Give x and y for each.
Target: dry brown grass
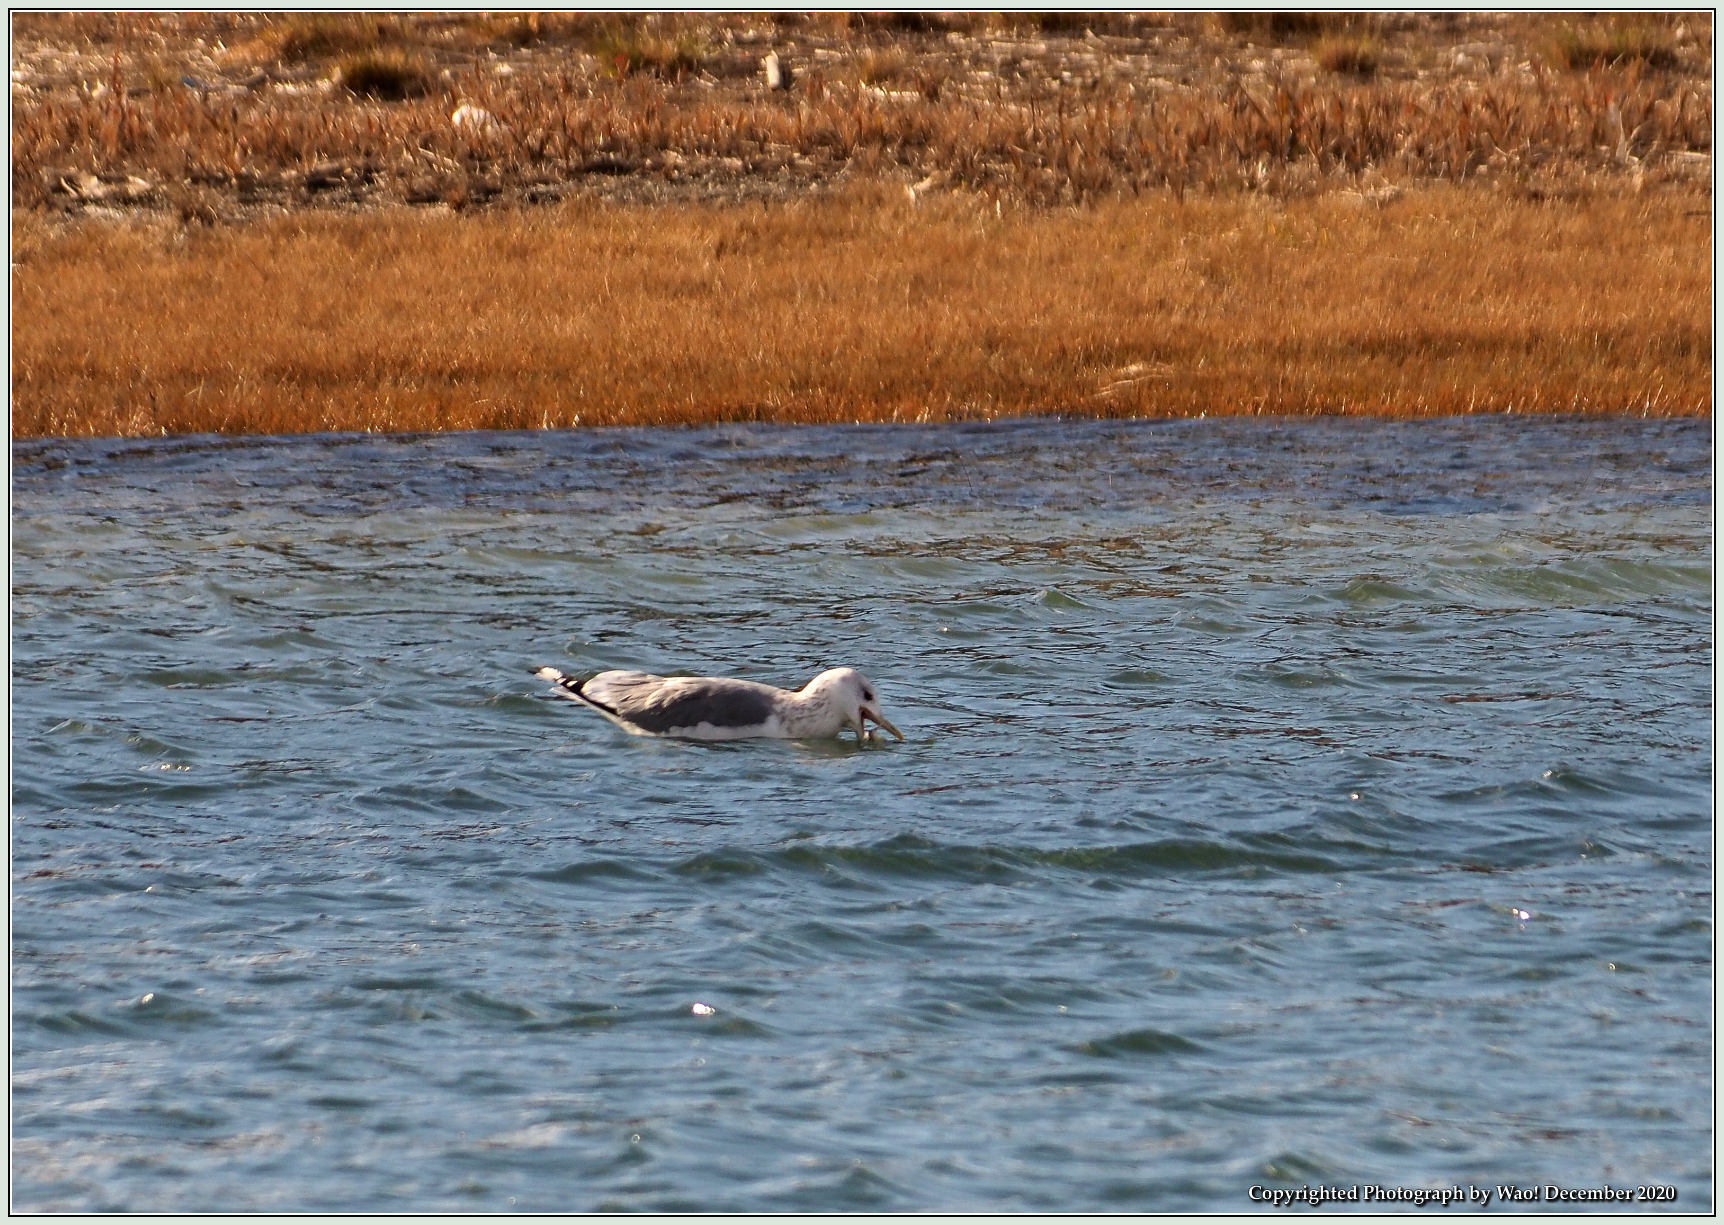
(297, 38)
(1613, 41)
(1348, 53)
(864, 308)
(1277, 212)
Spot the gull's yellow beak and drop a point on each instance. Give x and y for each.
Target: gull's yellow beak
(881, 719)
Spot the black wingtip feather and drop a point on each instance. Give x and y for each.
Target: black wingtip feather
(576, 689)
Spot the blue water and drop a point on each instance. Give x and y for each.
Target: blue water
(1283, 805)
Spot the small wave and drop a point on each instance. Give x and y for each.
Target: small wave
(1138, 678)
(593, 870)
(1059, 601)
(1372, 591)
(72, 1021)
(1578, 581)
(912, 857)
(580, 1015)
(1137, 1042)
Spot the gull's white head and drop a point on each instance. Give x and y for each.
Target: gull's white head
(855, 698)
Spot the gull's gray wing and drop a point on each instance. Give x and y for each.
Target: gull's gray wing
(664, 705)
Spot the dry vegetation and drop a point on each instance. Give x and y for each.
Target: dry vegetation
(854, 309)
(250, 223)
(348, 109)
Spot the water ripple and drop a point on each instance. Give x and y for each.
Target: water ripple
(1282, 802)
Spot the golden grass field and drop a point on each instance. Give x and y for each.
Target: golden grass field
(990, 216)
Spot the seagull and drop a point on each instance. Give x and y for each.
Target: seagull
(716, 708)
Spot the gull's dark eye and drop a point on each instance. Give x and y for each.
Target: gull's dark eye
(867, 695)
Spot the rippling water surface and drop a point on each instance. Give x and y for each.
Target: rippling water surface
(1283, 804)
